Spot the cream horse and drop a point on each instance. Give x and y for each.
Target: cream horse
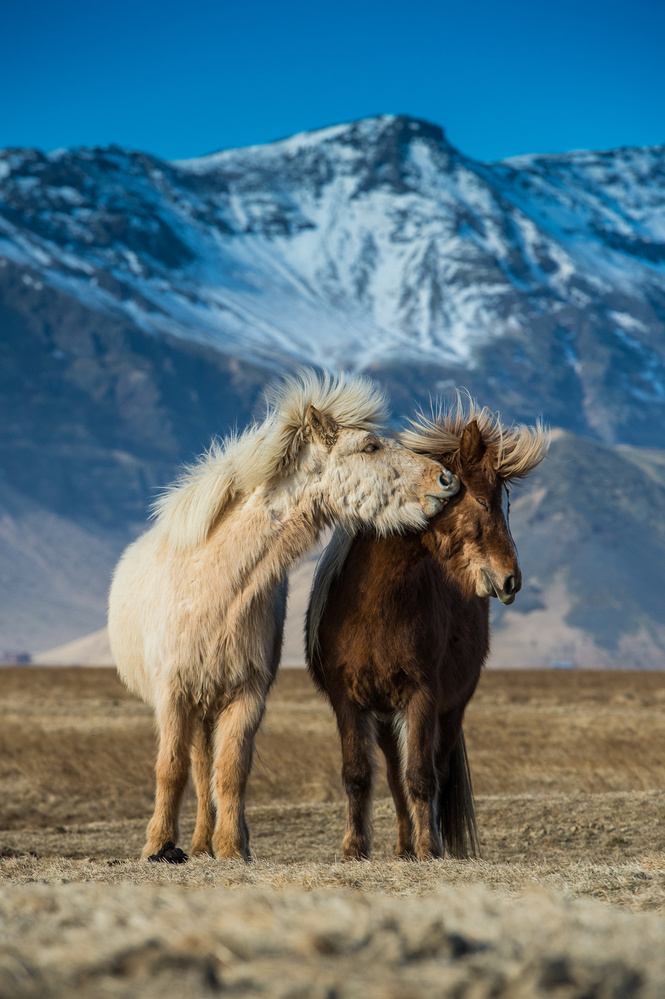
(197, 604)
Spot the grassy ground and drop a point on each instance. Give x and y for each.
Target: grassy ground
(569, 772)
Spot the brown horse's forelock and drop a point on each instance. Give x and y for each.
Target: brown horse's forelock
(512, 452)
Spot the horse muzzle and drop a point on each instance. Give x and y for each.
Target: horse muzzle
(506, 590)
(446, 485)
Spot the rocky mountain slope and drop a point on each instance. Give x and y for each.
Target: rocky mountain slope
(590, 528)
(373, 244)
(143, 305)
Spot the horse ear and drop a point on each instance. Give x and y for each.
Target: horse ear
(472, 446)
(323, 427)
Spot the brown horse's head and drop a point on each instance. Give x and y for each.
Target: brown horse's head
(471, 537)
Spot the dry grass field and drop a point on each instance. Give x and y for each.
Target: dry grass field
(567, 901)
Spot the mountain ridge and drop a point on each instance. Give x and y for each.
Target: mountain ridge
(386, 241)
(144, 304)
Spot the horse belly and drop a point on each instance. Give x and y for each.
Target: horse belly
(211, 660)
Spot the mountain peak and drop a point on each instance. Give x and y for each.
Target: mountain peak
(386, 131)
(401, 127)
(415, 128)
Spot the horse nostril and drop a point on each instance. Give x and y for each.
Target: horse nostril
(448, 483)
(510, 585)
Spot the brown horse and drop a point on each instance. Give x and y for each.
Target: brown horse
(398, 631)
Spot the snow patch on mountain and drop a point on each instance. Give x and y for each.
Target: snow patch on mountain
(354, 245)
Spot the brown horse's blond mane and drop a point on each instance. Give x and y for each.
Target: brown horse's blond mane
(512, 451)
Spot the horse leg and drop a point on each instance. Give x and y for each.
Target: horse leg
(171, 772)
(420, 775)
(236, 729)
(389, 743)
(357, 735)
(457, 818)
(202, 758)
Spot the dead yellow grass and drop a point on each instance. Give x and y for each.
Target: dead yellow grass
(74, 745)
(254, 941)
(568, 767)
(587, 731)
(569, 770)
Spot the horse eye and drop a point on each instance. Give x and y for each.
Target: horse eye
(370, 448)
(482, 503)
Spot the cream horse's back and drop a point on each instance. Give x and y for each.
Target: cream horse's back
(197, 604)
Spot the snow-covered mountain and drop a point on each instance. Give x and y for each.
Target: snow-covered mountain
(143, 305)
(370, 245)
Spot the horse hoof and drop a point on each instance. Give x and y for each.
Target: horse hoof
(169, 854)
(407, 855)
(235, 853)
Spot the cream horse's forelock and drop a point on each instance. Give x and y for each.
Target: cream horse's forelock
(235, 466)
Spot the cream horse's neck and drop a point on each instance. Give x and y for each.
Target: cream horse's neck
(260, 539)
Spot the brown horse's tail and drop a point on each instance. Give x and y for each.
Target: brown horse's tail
(457, 808)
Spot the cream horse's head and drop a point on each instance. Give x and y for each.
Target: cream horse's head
(363, 479)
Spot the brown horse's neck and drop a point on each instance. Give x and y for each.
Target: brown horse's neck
(437, 542)
(397, 553)
(393, 558)
(443, 540)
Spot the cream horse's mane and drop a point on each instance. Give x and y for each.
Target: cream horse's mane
(187, 510)
(512, 451)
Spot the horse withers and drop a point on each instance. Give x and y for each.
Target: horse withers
(398, 631)
(197, 604)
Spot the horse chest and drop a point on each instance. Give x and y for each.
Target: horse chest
(438, 642)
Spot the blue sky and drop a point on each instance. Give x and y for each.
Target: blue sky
(182, 80)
